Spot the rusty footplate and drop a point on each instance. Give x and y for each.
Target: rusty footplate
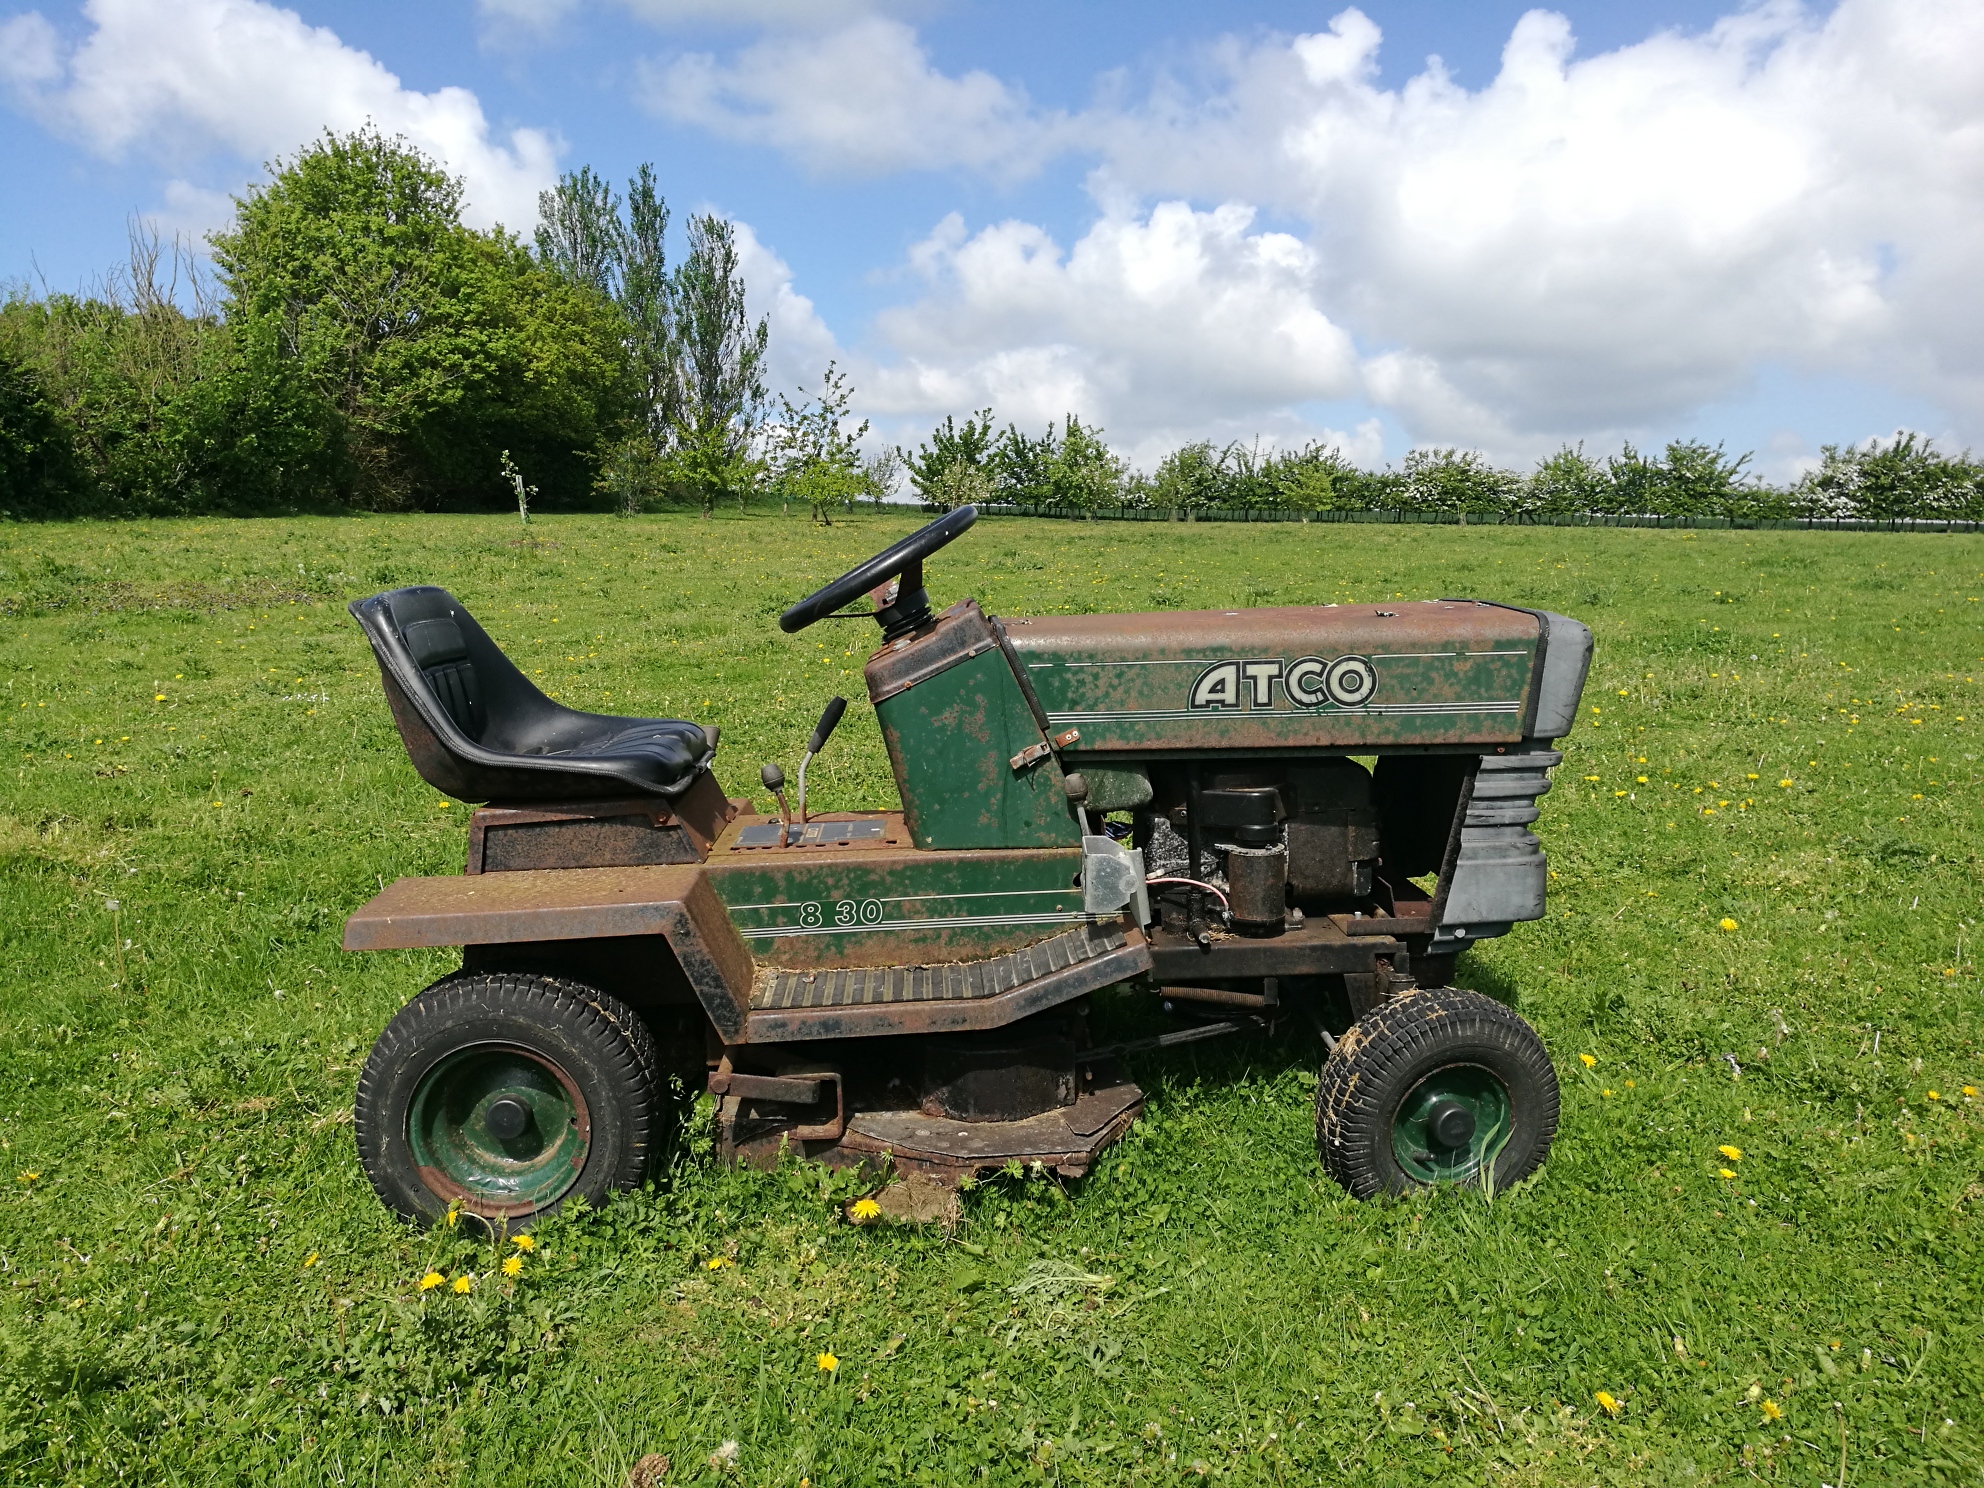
(861, 986)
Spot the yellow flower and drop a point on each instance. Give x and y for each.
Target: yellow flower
(464, 1284)
(1785, 784)
(826, 1362)
(1639, 780)
(523, 1242)
(431, 1280)
(1587, 1060)
(1726, 923)
(310, 1260)
(1934, 1095)
(1606, 1402)
(715, 1263)
(453, 1215)
(1771, 1411)
(28, 1177)
(1970, 1091)
(1734, 1154)
(861, 1211)
(513, 1265)
(1724, 1173)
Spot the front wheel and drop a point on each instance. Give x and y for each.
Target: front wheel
(1435, 1086)
(505, 1096)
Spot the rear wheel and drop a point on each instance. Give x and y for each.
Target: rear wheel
(505, 1096)
(1435, 1086)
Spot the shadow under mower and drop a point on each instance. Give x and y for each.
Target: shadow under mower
(1167, 803)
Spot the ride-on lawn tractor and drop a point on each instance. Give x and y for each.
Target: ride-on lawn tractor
(1169, 804)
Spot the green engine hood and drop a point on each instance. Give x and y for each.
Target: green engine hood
(1350, 677)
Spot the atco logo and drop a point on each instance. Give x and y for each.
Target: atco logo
(1308, 683)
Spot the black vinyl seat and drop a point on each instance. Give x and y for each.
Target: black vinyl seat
(477, 729)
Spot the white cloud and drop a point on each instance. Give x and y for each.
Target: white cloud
(1585, 247)
(1160, 325)
(1609, 242)
(800, 345)
(30, 51)
(860, 100)
(517, 20)
(177, 82)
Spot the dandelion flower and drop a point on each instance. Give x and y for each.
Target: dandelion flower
(310, 1260)
(1724, 1173)
(1934, 1095)
(1784, 784)
(827, 1362)
(1734, 1154)
(453, 1215)
(1726, 924)
(1606, 1402)
(1771, 1411)
(431, 1280)
(715, 1263)
(861, 1211)
(28, 1177)
(1970, 1092)
(464, 1285)
(513, 1265)
(523, 1242)
(1586, 1060)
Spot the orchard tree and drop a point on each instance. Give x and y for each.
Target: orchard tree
(434, 346)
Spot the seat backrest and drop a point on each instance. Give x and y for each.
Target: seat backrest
(428, 621)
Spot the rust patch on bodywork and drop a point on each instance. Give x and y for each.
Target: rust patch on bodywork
(535, 905)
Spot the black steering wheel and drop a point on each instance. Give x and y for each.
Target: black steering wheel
(911, 608)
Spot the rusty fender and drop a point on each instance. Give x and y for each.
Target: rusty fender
(675, 902)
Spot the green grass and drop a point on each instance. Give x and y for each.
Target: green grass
(199, 1286)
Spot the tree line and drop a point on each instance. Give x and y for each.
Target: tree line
(357, 346)
(1905, 477)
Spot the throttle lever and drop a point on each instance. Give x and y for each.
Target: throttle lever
(822, 731)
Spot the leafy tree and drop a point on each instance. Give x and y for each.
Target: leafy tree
(810, 454)
(1020, 467)
(1698, 480)
(434, 346)
(584, 237)
(1449, 480)
(1639, 485)
(1906, 477)
(1565, 483)
(950, 443)
(1084, 473)
(1191, 477)
(719, 367)
(39, 473)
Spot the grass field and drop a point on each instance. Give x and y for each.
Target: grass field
(200, 1287)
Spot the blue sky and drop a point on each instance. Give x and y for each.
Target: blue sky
(1599, 222)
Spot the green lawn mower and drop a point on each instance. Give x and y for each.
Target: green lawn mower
(1176, 805)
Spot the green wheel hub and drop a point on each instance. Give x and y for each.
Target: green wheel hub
(1452, 1125)
(498, 1128)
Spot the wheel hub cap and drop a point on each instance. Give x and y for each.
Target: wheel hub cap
(1449, 1124)
(498, 1129)
(1452, 1125)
